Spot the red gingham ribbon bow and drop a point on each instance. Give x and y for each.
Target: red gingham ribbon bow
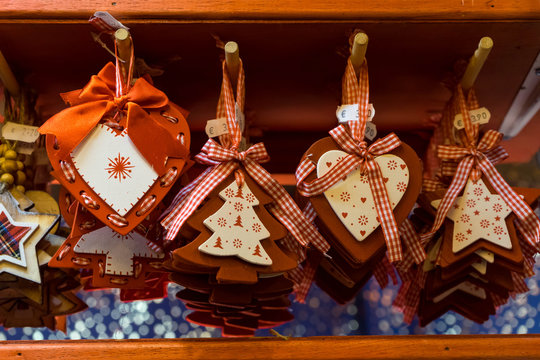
(212, 154)
(360, 155)
(475, 161)
(224, 160)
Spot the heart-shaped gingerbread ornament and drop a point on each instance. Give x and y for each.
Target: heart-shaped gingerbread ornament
(111, 177)
(348, 210)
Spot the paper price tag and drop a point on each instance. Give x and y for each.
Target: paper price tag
(25, 148)
(19, 132)
(478, 116)
(240, 118)
(349, 112)
(216, 127)
(371, 131)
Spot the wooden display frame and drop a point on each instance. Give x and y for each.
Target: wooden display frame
(227, 17)
(342, 347)
(282, 9)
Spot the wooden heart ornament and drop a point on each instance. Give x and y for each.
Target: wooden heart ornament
(118, 157)
(347, 210)
(351, 198)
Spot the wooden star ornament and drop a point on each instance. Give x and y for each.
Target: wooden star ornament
(478, 214)
(20, 232)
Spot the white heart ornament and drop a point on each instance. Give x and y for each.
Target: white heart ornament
(114, 168)
(352, 199)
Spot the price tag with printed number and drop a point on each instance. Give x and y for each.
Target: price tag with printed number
(349, 112)
(371, 131)
(19, 132)
(477, 116)
(216, 127)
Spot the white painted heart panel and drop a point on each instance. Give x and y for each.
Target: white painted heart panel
(351, 198)
(114, 168)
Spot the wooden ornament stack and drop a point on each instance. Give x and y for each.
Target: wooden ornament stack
(230, 227)
(117, 151)
(345, 206)
(480, 235)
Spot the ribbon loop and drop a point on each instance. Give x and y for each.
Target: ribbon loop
(97, 99)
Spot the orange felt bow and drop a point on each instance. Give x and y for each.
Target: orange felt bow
(96, 99)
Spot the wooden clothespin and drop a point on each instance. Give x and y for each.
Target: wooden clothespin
(7, 77)
(476, 62)
(232, 59)
(358, 52)
(124, 45)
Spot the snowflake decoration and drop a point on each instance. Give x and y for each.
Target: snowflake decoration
(229, 193)
(250, 198)
(498, 230)
(119, 167)
(345, 196)
(392, 165)
(401, 186)
(256, 227)
(460, 237)
(471, 203)
(364, 179)
(497, 207)
(484, 223)
(363, 220)
(237, 243)
(222, 222)
(238, 206)
(465, 218)
(478, 191)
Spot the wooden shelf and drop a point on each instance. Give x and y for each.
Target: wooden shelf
(313, 348)
(281, 9)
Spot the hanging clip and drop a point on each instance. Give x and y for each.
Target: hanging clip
(476, 62)
(358, 52)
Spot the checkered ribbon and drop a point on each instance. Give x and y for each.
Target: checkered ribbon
(473, 162)
(430, 185)
(382, 270)
(303, 276)
(408, 296)
(414, 249)
(225, 159)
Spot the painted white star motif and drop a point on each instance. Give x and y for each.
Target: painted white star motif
(478, 214)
